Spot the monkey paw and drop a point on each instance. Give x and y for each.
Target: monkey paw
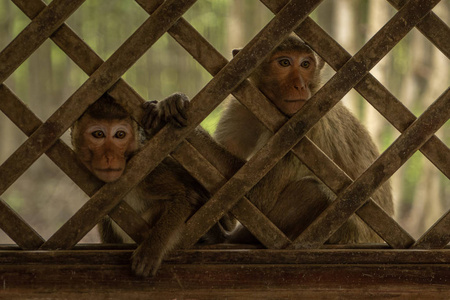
(146, 261)
(172, 109)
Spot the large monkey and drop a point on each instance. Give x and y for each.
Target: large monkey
(104, 138)
(290, 195)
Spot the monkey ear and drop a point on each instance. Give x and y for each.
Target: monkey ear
(320, 62)
(235, 51)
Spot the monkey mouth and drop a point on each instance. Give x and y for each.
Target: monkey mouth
(108, 175)
(294, 100)
(109, 170)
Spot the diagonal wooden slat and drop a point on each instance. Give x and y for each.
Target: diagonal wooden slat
(213, 61)
(373, 91)
(386, 165)
(201, 105)
(297, 126)
(17, 229)
(35, 34)
(65, 38)
(105, 76)
(437, 237)
(336, 179)
(251, 217)
(432, 27)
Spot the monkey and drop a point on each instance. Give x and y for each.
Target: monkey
(104, 138)
(290, 195)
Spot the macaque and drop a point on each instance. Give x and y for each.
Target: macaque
(104, 139)
(290, 195)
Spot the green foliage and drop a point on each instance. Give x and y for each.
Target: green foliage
(16, 200)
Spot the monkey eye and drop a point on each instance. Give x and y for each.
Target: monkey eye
(98, 134)
(120, 134)
(284, 62)
(305, 64)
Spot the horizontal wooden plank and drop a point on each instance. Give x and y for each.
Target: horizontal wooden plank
(333, 255)
(235, 274)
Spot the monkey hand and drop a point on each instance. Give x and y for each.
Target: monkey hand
(147, 259)
(170, 110)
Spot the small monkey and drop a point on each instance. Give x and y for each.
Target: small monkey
(290, 195)
(104, 138)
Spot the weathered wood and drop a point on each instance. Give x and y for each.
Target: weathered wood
(59, 153)
(99, 254)
(259, 225)
(373, 91)
(336, 179)
(65, 38)
(35, 34)
(387, 164)
(207, 274)
(399, 116)
(432, 27)
(17, 229)
(251, 217)
(437, 237)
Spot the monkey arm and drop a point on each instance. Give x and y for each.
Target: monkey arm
(163, 237)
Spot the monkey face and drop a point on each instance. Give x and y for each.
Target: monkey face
(286, 79)
(104, 146)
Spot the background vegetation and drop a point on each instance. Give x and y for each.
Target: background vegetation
(415, 72)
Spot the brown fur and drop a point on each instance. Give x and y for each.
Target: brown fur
(289, 194)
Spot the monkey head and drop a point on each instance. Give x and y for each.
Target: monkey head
(289, 76)
(104, 138)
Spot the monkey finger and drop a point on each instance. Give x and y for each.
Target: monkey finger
(149, 112)
(149, 103)
(174, 109)
(182, 107)
(176, 114)
(151, 119)
(178, 121)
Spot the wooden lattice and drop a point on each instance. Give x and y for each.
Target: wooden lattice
(229, 77)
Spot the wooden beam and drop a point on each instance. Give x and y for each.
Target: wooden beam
(235, 274)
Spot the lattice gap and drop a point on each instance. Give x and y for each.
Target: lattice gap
(351, 72)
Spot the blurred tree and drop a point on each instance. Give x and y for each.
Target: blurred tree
(345, 22)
